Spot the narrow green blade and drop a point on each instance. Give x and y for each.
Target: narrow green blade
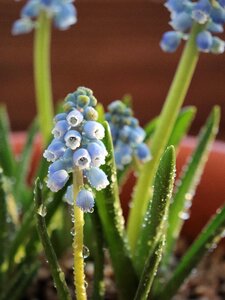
(20, 280)
(182, 125)
(150, 270)
(57, 273)
(24, 163)
(110, 213)
(207, 240)
(155, 219)
(189, 180)
(7, 160)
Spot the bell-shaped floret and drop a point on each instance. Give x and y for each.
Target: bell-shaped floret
(97, 154)
(72, 139)
(57, 180)
(74, 118)
(60, 129)
(142, 152)
(55, 150)
(85, 200)
(94, 130)
(81, 159)
(97, 178)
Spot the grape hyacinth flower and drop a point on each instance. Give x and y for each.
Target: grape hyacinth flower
(209, 14)
(127, 135)
(77, 144)
(62, 12)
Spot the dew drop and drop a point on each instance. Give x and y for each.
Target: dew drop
(42, 211)
(86, 252)
(184, 215)
(85, 284)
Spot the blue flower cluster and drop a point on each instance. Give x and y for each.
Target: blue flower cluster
(210, 14)
(77, 144)
(127, 135)
(62, 12)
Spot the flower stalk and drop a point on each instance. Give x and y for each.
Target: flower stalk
(79, 277)
(173, 103)
(42, 74)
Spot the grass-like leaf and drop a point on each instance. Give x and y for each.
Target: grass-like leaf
(207, 240)
(18, 283)
(189, 180)
(24, 163)
(57, 273)
(150, 270)
(3, 226)
(182, 125)
(7, 160)
(155, 219)
(110, 213)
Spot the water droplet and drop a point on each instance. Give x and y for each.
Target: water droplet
(86, 252)
(184, 215)
(42, 211)
(85, 284)
(72, 232)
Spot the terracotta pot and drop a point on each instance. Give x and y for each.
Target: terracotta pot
(210, 194)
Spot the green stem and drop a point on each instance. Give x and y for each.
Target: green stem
(79, 277)
(42, 74)
(173, 103)
(57, 273)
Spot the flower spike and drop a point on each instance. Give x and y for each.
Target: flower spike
(77, 144)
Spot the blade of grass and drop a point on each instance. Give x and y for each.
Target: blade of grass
(150, 270)
(7, 160)
(19, 282)
(57, 273)
(155, 219)
(110, 213)
(182, 125)
(23, 165)
(207, 240)
(189, 181)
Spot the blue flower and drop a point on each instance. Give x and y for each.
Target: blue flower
(94, 130)
(55, 150)
(97, 154)
(209, 13)
(77, 145)
(72, 139)
(218, 45)
(204, 41)
(97, 178)
(201, 11)
(62, 12)
(126, 134)
(85, 200)
(60, 129)
(24, 25)
(82, 158)
(57, 180)
(170, 41)
(142, 152)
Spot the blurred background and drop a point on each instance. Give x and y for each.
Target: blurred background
(114, 50)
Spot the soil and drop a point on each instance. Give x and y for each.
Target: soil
(207, 282)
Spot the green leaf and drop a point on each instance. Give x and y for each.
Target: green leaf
(182, 125)
(3, 225)
(19, 282)
(112, 220)
(154, 223)
(189, 181)
(207, 240)
(101, 113)
(150, 270)
(7, 160)
(97, 230)
(24, 164)
(57, 273)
